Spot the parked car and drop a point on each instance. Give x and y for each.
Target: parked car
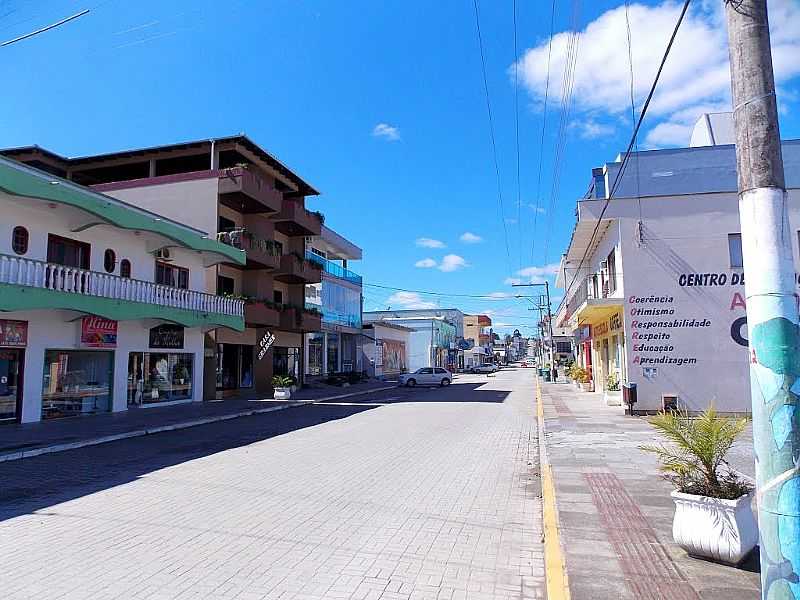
(427, 376)
(487, 368)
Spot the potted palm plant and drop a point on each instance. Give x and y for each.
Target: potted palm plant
(612, 394)
(713, 505)
(283, 387)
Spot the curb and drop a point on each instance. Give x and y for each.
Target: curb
(173, 427)
(554, 561)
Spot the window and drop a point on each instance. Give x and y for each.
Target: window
(109, 261)
(19, 240)
(155, 377)
(125, 268)
(735, 249)
(277, 297)
(70, 253)
(612, 272)
(172, 276)
(440, 371)
(225, 224)
(426, 371)
(76, 383)
(225, 286)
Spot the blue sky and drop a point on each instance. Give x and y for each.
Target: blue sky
(381, 106)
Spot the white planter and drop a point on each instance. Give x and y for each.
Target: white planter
(282, 394)
(613, 398)
(586, 387)
(720, 530)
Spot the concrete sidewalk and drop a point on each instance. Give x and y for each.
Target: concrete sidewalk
(33, 439)
(615, 512)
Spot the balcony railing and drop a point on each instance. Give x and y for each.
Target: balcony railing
(70, 280)
(334, 269)
(590, 288)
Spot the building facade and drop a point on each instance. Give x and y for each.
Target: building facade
(94, 320)
(385, 349)
(477, 332)
(237, 193)
(338, 297)
(660, 300)
(432, 339)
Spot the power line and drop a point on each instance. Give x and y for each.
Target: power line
(491, 132)
(625, 159)
(43, 29)
(516, 132)
(544, 125)
(633, 118)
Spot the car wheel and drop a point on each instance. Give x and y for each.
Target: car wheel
(445, 382)
(411, 382)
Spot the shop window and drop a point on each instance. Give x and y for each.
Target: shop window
(76, 383)
(234, 366)
(19, 240)
(155, 377)
(286, 361)
(171, 275)
(109, 261)
(125, 268)
(735, 249)
(277, 296)
(225, 286)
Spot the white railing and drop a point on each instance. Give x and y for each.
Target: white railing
(33, 273)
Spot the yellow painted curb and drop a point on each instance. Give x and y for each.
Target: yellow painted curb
(554, 563)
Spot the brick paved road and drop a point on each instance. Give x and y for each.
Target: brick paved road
(410, 494)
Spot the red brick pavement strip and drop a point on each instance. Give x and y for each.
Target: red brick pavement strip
(650, 573)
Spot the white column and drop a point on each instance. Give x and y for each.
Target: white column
(119, 398)
(325, 353)
(197, 372)
(32, 388)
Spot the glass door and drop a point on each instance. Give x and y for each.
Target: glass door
(11, 362)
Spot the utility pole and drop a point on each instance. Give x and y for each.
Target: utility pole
(772, 303)
(546, 285)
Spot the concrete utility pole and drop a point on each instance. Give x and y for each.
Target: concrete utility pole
(546, 285)
(772, 303)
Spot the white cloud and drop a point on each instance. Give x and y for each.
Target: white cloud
(470, 238)
(429, 243)
(696, 74)
(539, 209)
(590, 129)
(512, 280)
(409, 300)
(499, 296)
(452, 262)
(425, 263)
(387, 132)
(551, 269)
(511, 221)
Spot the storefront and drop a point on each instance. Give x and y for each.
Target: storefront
(165, 375)
(77, 383)
(608, 345)
(13, 339)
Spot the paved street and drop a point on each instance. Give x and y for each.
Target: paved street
(403, 494)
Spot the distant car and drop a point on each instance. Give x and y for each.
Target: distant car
(427, 376)
(487, 368)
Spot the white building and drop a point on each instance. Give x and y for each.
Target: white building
(96, 318)
(431, 341)
(660, 301)
(385, 348)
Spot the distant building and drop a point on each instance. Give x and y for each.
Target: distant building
(432, 342)
(386, 349)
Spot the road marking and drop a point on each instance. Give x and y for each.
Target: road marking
(554, 562)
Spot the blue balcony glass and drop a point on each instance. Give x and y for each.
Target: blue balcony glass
(334, 269)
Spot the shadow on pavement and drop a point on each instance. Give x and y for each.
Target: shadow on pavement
(457, 392)
(35, 483)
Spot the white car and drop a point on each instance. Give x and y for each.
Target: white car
(487, 368)
(427, 376)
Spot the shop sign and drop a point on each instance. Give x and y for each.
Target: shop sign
(167, 336)
(265, 344)
(615, 322)
(97, 332)
(584, 333)
(601, 329)
(13, 333)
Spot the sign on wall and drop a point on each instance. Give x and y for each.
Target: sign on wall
(13, 333)
(167, 336)
(97, 332)
(265, 344)
(394, 355)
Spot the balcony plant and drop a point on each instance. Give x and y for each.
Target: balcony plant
(283, 387)
(613, 393)
(713, 505)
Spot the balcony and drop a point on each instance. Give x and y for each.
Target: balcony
(259, 314)
(294, 269)
(333, 268)
(260, 253)
(31, 285)
(300, 320)
(244, 191)
(294, 220)
(592, 299)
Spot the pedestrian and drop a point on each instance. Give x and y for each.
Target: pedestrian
(555, 373)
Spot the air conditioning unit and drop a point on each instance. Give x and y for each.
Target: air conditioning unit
(163, 254)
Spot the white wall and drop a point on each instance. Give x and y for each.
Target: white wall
(60, 330)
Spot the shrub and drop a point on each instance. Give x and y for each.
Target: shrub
(612, 382)
(282, 381)
(694, 461)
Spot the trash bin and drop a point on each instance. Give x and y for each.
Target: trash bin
(546, 374)
(629, 397)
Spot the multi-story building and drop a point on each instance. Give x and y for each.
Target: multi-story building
(659, 300)
(432, 340)
(94, 318)
(477, 331)
(238, 193)
(337, 348)
(452, 355)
